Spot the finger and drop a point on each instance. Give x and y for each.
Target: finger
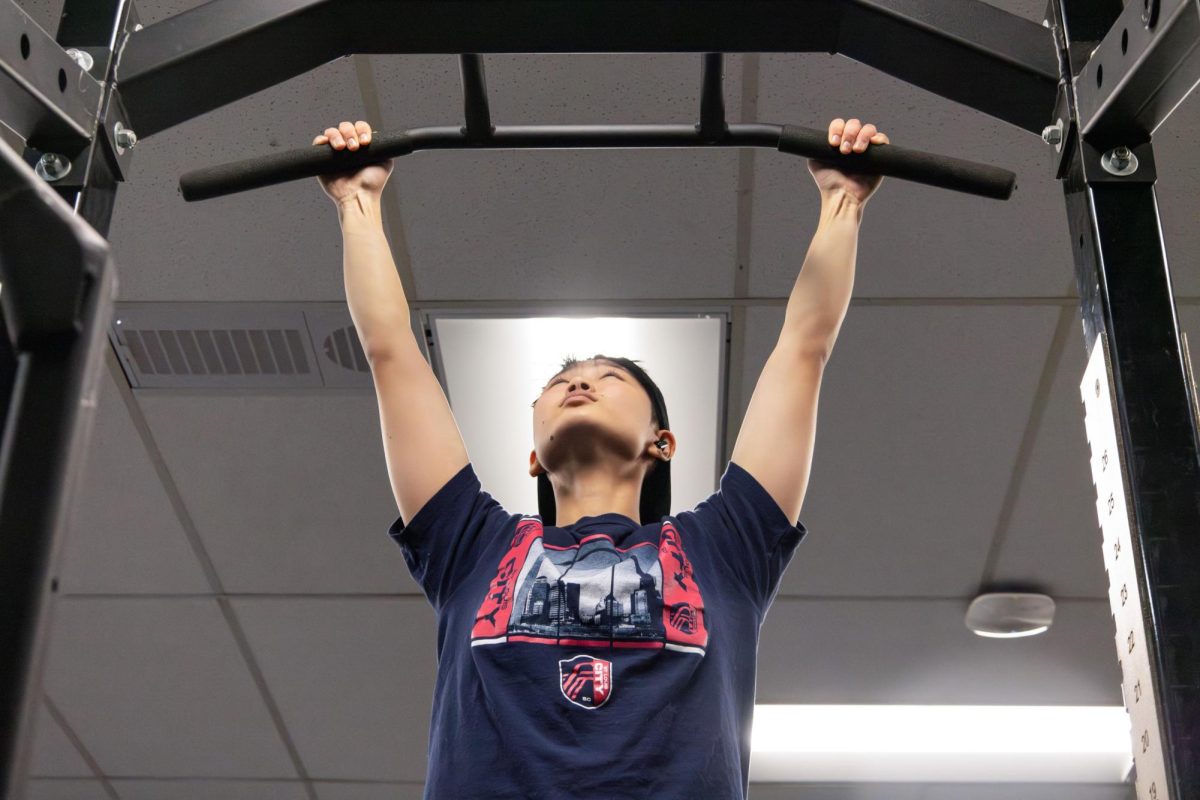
(364, 132)
(848, 135)
(835, 130)
(350, 135)
(335, 138)
(864, 138)
(322, 139)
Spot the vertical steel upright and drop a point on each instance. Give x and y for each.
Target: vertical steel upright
(63, 274)
(1151, 507)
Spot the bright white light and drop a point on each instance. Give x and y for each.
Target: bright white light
(1014, 634)
(941, 743)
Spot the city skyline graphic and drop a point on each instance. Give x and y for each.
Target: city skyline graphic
(593, 593)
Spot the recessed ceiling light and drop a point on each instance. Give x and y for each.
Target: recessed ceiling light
(1008, 615)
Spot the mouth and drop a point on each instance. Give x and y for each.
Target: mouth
(581, 397)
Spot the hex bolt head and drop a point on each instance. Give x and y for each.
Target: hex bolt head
(124, 137)
(52, 167)
(1052, 134)
(81, 58)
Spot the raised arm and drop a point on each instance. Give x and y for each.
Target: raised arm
(421, 441)
(775, 443)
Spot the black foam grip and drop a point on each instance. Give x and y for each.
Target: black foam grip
(912, 165)
(307, 162)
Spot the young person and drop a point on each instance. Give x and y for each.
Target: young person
(602, 648)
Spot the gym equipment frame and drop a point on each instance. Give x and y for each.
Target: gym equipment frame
(1095, 81)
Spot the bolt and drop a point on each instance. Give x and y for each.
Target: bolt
(1121, 157)
(81, 58)
(1052, 134)
(124, 137)
(52, 167)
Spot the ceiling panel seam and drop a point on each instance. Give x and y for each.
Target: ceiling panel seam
(260, 680)
(734, 389)
(1041, 401)
(60, 719)
(206, 564)
(166, 480)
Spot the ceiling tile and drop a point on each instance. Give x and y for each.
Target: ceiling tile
(277, 243)
(159, 688)
(558, 224)
(353, 678)
(288, 490)
(915, 240)
(921, 413)
(54, 756)
(920, 651)
(124, 536)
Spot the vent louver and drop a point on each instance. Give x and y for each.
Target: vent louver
(238, 345)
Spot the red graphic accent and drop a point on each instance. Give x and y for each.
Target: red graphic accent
(683, 607)
(492, 619)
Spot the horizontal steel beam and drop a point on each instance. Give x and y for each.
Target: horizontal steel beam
(1145, 66)
(44, 94)
(964, 50)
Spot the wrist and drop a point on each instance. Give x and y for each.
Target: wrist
(840, 204)
(358, 210)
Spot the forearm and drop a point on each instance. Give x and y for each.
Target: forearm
(374, 292)
(821, 294)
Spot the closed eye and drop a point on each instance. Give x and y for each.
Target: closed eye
(605, 375)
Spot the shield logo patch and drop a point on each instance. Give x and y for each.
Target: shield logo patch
(585, 681)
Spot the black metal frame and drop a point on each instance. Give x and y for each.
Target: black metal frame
(1096, 82)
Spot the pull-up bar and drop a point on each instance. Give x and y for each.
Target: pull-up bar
(712, 131)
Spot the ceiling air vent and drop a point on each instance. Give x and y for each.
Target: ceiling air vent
(238, 345)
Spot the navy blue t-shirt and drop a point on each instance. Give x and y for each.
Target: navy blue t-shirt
(603, 659)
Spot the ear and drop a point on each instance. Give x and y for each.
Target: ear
(535, 466)
(664, 453)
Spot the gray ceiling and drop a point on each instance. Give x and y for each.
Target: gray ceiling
(234, 620)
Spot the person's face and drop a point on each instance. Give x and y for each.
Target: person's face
(593, 410)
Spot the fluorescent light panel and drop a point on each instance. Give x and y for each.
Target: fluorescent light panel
(972, 744)
(494, 368)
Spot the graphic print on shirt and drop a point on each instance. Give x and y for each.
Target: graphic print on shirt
(585, 681)
(593, 594)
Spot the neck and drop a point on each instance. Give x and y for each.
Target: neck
(595, 489)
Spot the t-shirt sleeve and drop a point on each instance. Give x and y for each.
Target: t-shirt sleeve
(748, 533)
(447, 537)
